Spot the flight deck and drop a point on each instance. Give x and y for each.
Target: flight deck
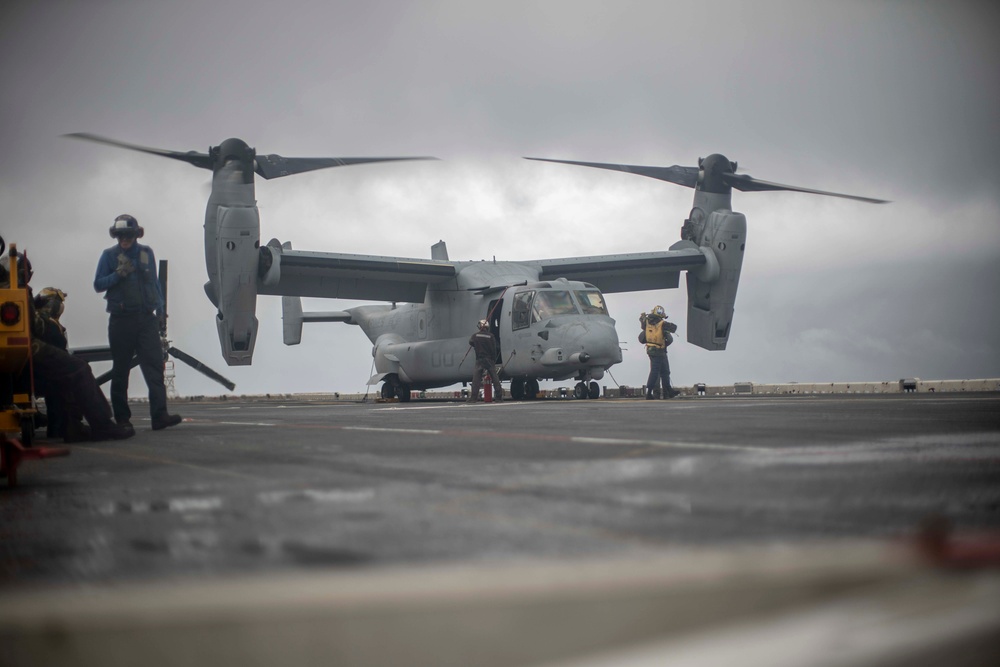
(308, 488)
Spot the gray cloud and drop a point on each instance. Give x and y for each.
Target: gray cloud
(888, 99)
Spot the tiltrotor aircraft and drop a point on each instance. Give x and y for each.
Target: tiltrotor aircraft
(549, 315)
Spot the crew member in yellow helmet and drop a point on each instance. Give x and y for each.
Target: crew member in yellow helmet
(656, 334)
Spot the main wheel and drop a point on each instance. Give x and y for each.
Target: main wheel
(531, 389)
(387, 390)
(403, 392)
(595, 390)
(517, 389)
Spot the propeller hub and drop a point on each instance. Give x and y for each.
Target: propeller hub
(712, 172)
(232, 149)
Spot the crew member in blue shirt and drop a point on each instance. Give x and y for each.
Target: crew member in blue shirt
(127, 273)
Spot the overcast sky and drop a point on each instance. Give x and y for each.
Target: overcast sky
(896, 100)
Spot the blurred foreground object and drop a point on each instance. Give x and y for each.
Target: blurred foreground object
(832, 603)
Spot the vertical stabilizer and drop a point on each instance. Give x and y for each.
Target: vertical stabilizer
(291, 320)
(439, 251)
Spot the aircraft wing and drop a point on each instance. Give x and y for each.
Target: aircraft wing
(343, 276)
(626, 273)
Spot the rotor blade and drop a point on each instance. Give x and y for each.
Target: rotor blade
(92, 353)
(275, 166)
(202, 160)
(163, 289)
(104, 377)
(686, 176)
(198, 366)
(746, 183)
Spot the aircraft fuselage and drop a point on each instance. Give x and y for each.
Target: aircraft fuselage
(555, 329)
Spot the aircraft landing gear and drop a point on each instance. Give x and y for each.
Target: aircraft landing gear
(595, 390)
(393, 388)
(524, 389)
(531, 389)
(517, 389)
(583, 390)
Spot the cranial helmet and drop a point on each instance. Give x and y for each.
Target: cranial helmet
(51, 298)
(659, 312)
(126, 226)
(52, 293)
(483, 324)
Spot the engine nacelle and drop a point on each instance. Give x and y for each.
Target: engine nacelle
(238, 259)
(269, 268)
(712, 291)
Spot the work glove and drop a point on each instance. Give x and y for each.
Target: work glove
(125, 266)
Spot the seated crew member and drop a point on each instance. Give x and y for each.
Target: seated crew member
(49, 304)
(65, 374)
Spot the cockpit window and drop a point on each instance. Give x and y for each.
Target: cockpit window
(550, 303)
(521, 313)
(592, 302)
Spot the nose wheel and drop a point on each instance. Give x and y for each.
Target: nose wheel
(583, 390)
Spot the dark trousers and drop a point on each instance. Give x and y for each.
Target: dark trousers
(69, 382)
(659, 372)
(485, 366)
(132, 335)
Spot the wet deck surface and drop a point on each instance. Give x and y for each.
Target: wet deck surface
(290, 485)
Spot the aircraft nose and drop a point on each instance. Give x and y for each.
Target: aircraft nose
(595, 343)
(602, 346)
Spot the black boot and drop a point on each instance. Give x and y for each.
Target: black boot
(166, 421)
(76, 431)
(110, 431)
